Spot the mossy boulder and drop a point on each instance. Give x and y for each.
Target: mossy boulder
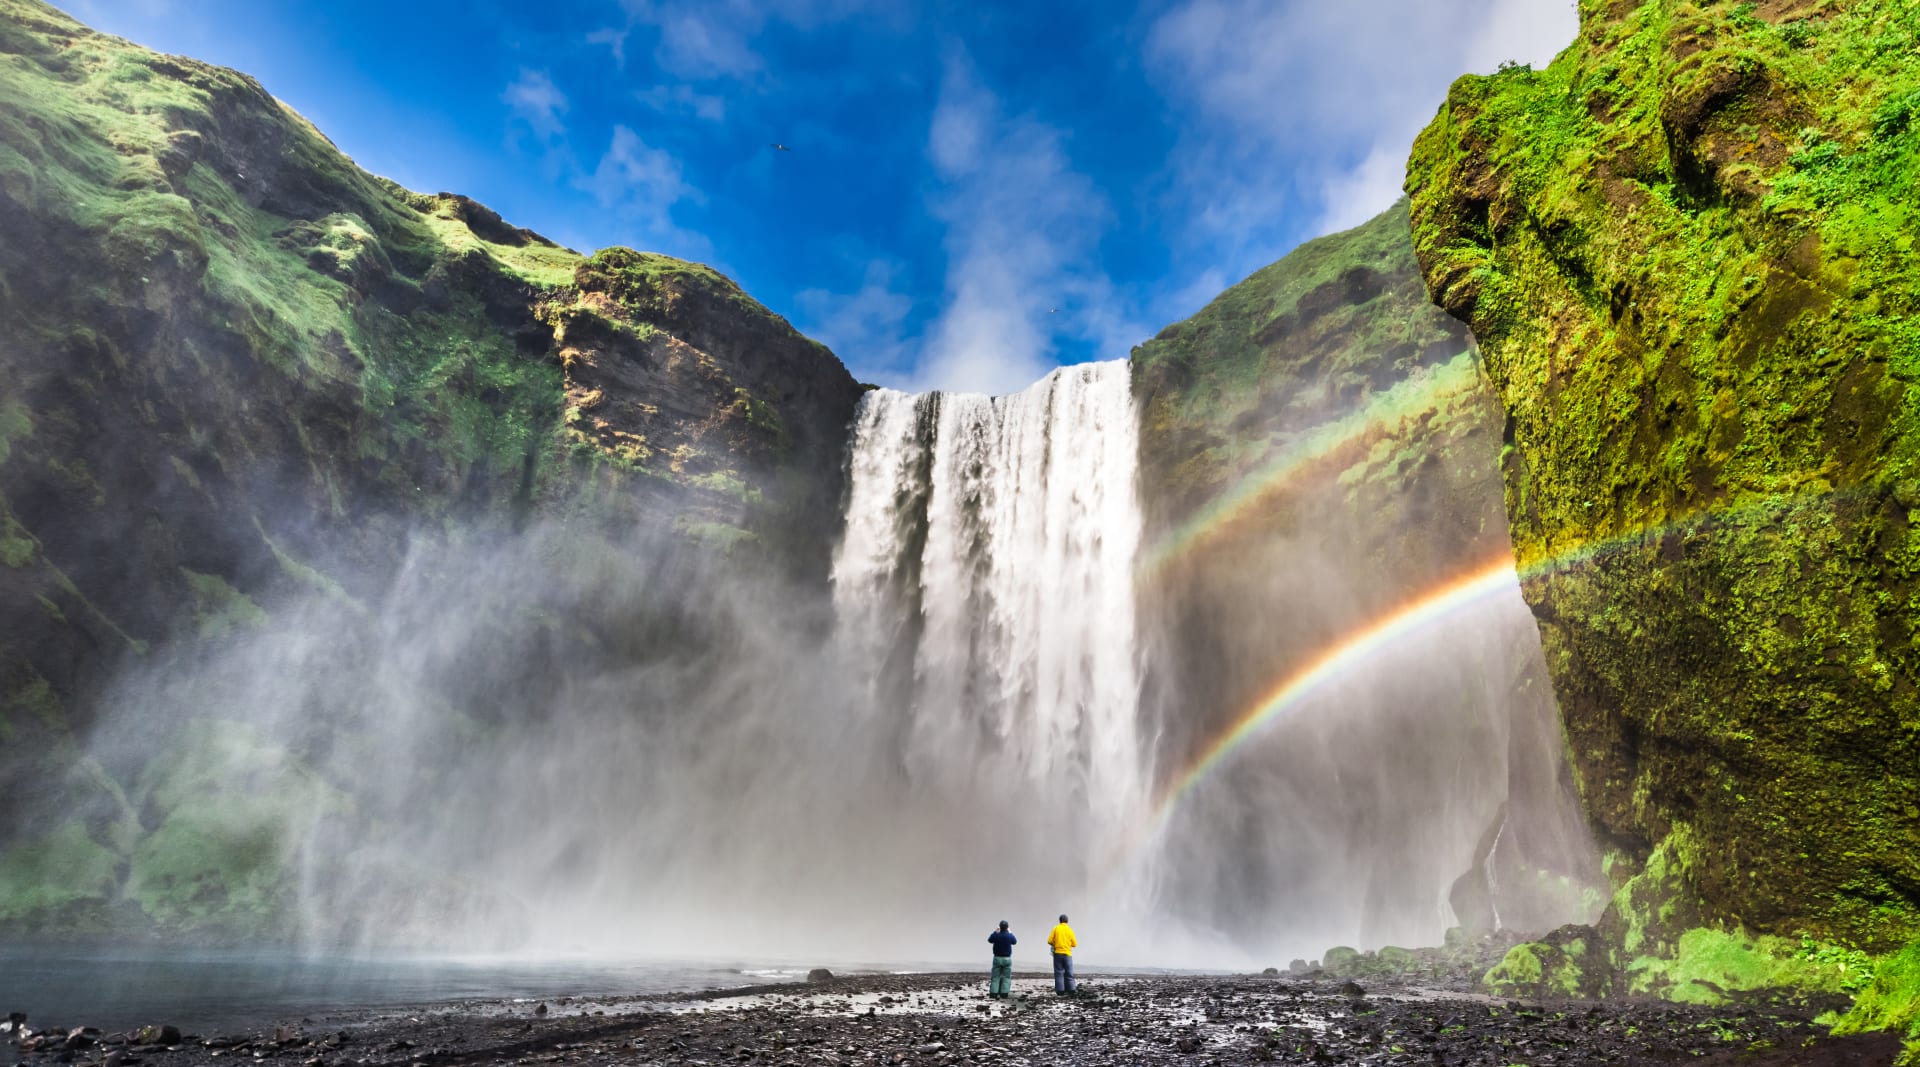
(1685, 249)
(1538, 970)
(1342, 961)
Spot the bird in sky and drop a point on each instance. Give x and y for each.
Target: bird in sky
(781, 148)
(1053, 311)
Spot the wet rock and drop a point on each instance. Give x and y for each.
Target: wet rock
(116, 1058)
(1271, 972)
(167, 1034)
(819, 974)
(81, 1037)
(1351, 989)
(539, 1009)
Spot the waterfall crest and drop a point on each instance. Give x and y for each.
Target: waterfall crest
(985, 576)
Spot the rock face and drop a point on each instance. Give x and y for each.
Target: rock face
(1686, 251)
(1318, 448)
(234, 364)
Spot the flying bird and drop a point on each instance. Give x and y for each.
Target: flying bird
(1053, 311)
(781, 148)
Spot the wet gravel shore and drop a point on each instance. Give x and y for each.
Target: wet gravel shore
(946, 1020)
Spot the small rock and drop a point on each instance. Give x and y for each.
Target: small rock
(819, 974)
(1271, 972)
(539, 1009)
(1351, 989)
(82, 1037)
(114, 1058)
(157, 1035)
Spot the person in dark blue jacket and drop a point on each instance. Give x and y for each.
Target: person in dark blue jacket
(1000, 979)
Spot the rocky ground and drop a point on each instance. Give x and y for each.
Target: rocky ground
(947, 1020)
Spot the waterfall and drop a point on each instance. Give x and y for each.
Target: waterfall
(986, 578)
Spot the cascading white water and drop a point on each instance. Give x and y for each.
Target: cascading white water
(986, 574)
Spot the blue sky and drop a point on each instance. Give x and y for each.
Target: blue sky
(975, 192)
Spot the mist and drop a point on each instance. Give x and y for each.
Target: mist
(567, 740)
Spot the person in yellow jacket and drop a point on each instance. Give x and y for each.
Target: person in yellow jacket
(1062, 941)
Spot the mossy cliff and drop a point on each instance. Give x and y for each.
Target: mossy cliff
(1686, 251)
(1318, 447)
(234, 365)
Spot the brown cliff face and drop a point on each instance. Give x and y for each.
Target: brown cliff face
(235, 368)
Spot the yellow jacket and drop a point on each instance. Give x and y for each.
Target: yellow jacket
(1062, 940)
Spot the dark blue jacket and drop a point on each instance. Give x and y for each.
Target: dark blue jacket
(1002, 942)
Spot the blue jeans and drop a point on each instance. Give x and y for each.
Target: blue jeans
(1062, 973)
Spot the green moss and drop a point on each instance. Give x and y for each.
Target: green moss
(217, 608)
(304, 576)
(1519, 971)
(1708, 965)
(16, 423)
(726, 483)
(231, 803)
(1686, 251)
(1891, 1001)
(17, 546)
(1541, 970)
(33, 700)
(720, 536)
(54, 874)
(1396, 959)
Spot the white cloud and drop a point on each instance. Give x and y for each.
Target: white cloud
(867, 328)
(1023, 228)
(539, 103)
(643, 184)
(615, 40)
(1522, 31)
(683, 99)
(713, 39)
(1332, 93)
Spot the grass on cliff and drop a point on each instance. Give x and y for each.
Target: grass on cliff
(119, 143)
(1227, 348)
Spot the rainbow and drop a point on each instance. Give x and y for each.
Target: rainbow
(1406, 400)
(1356, 647)
(1424, 610)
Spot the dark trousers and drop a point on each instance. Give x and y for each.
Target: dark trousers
(1062, 973)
